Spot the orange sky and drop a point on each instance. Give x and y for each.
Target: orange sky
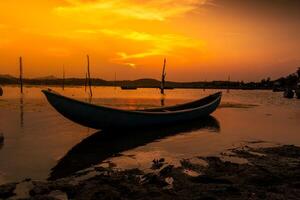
(202, 39)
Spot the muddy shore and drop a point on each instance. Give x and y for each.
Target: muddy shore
(246, 172)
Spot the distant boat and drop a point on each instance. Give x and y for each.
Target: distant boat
(278, 89)
(288, 93)
(169, 88)
(297, 91)
(127, 87)
(1, 91)
(101, 117)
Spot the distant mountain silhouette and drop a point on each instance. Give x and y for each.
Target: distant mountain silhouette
(47, 77)
(139, 83)
(289, 81)
(6, 76)
(8, 79)
(147, 80)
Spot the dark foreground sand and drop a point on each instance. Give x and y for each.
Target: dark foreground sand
(269, 173)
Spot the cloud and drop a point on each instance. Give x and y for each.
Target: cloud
(152, 52)
(148, 44)
(158, 10)
(100, 17)
(132, 65)
(162, 44)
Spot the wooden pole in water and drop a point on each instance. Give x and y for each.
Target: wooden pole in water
(228, 84)
(85, 83)
(163, 77)
(21, 74)
(63, 78)
(115, 83)
(89, 75)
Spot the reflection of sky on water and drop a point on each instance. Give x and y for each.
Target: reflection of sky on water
(37, 137)
(21, 110)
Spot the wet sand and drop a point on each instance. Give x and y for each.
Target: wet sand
(255, 170)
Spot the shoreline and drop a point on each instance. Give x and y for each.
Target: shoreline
(250, 171)
(138, 87)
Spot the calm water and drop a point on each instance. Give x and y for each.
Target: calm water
(38, 139)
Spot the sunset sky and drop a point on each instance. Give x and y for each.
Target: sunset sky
(201, 39)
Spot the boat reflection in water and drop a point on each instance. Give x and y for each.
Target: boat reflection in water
(105, 144)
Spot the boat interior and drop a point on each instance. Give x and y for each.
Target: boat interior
(193, 104)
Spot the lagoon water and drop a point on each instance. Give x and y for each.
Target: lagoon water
(40, 143)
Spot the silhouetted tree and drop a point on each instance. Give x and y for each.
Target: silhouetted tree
(263, 81)
(292, 80)
(281, 81)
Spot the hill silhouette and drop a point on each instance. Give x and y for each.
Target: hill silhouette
(288, 81)
(139, 83)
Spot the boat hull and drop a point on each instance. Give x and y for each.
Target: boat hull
(100, 117)
(289, 94)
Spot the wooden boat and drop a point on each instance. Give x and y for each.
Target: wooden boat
(101, 117)
(288, 93)
(127, 87)
(168, 88)
(277, 89)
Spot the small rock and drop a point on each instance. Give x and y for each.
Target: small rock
(166, 170)
(27, 179)
(43, 197)
(39, 188)
(154, 180)
(22, 190)
(210, 180)
(106, 193)
(7, 190)
(157, 164)
(100, 169)
(63, 186)
(59, 195)
(186, 164)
